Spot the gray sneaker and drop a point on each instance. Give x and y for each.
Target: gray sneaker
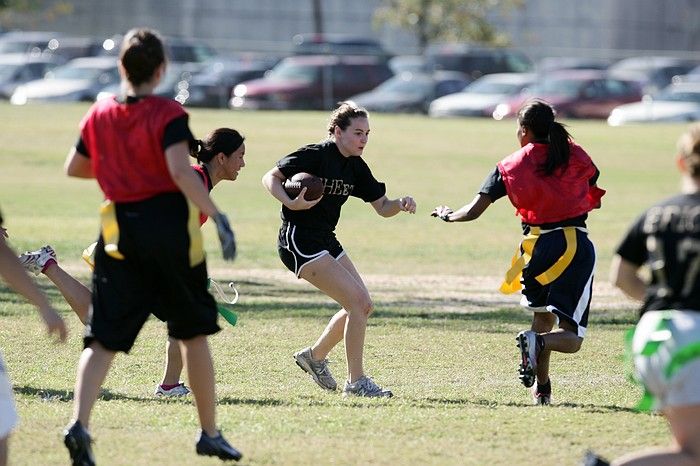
(364, 386)
(527, 342)
(318, 370)
(35, 261)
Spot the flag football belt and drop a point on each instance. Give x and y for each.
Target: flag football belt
(523, 254)
(661, 334)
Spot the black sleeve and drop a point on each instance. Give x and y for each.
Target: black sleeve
(81, 148)
(367, 187)
(176, 131)
(493, 186)
(304, 160)
(633, 246)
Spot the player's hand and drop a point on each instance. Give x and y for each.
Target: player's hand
(407, 204)
(226, 237)
(442, 212)
(300, 203)
(54, 324)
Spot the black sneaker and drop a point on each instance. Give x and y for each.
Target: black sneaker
(78, 441)
(591, 459)
(216, 446)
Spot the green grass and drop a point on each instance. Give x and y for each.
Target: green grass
(442, 337)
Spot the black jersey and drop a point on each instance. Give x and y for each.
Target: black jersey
(342, 177)
(667, 237)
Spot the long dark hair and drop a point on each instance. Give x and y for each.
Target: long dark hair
(224, 140)
(538, 117)
(141, 54)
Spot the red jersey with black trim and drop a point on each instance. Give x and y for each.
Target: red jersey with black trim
(202, 172)
(542, 199)
(125, 143)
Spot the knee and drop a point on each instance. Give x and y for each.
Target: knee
(363, 306)
(576, 344)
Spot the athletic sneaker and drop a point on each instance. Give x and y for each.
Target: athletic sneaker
(541, 399)
(35, 261)
(78, 441)
(216, 446)
(527, 342)
(318, 370)
(364, 386)
(591, 459)
(178, 390)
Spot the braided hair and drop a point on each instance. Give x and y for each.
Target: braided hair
(538, 116)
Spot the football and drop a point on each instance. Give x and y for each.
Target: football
(312, 183)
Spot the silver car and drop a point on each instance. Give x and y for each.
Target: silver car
(675, 103)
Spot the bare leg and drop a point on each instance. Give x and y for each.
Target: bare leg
(78, 296)
(331, 336)
(543, 322)
(200, 372)
(685, 427)
(332, 278)
(173, 363)
(93, 367)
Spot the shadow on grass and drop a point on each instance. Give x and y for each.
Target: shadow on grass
(588, 407)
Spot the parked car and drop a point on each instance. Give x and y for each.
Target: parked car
(78, 80)
(652, 73)
(177, 49)
(213, 86)
(411, 92)
(34, 42)
(476, 61)
(549, 64)
(480, 98)
(20, 68)
(336, 44)
(311, 82)
(691, 76)
(176, 76)
(677, 102)
(408, 63)
(575, 94)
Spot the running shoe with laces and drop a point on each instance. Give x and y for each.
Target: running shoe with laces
(365, 386)
(216, 446)
(541, 397)
(318, 370)
(78, 442)
(178, 390)
(36, 261)
(527, 342)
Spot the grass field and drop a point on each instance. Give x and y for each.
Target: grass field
(442, 338)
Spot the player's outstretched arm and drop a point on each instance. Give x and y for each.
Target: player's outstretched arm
(389, 207)
(469, 212)
(16, 276)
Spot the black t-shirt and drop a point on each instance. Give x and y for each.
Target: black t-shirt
(176, 131)
(494, 187)
(342, 177)
(667, 237)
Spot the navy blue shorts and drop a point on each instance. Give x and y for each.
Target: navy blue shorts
(299, 246)
(155, 277)
(569, 295)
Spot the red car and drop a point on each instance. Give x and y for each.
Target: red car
(311, 82)
(575, 94)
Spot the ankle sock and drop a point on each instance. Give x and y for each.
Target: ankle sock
(169, 387)
(47, 264)
(545, 389)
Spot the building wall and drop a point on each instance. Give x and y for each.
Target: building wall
(597, 28)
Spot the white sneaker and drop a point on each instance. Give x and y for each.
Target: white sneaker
(178, 390)
(365, 386)
(35, 261)
(318, 370)
(527, 372)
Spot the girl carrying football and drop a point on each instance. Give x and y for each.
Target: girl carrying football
(551, 181)
(308, 246)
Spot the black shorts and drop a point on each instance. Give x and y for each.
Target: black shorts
(299, 246)
(569, 295)
(155, 276)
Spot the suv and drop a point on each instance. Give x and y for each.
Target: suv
(336, 44)
(476, 61)
(312, 82)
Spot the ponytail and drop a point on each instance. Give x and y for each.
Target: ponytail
(538, 117)
(224, 140)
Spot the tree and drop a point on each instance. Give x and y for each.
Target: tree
(445, 20)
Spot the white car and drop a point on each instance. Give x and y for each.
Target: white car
(677, 102)
(481, 96)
